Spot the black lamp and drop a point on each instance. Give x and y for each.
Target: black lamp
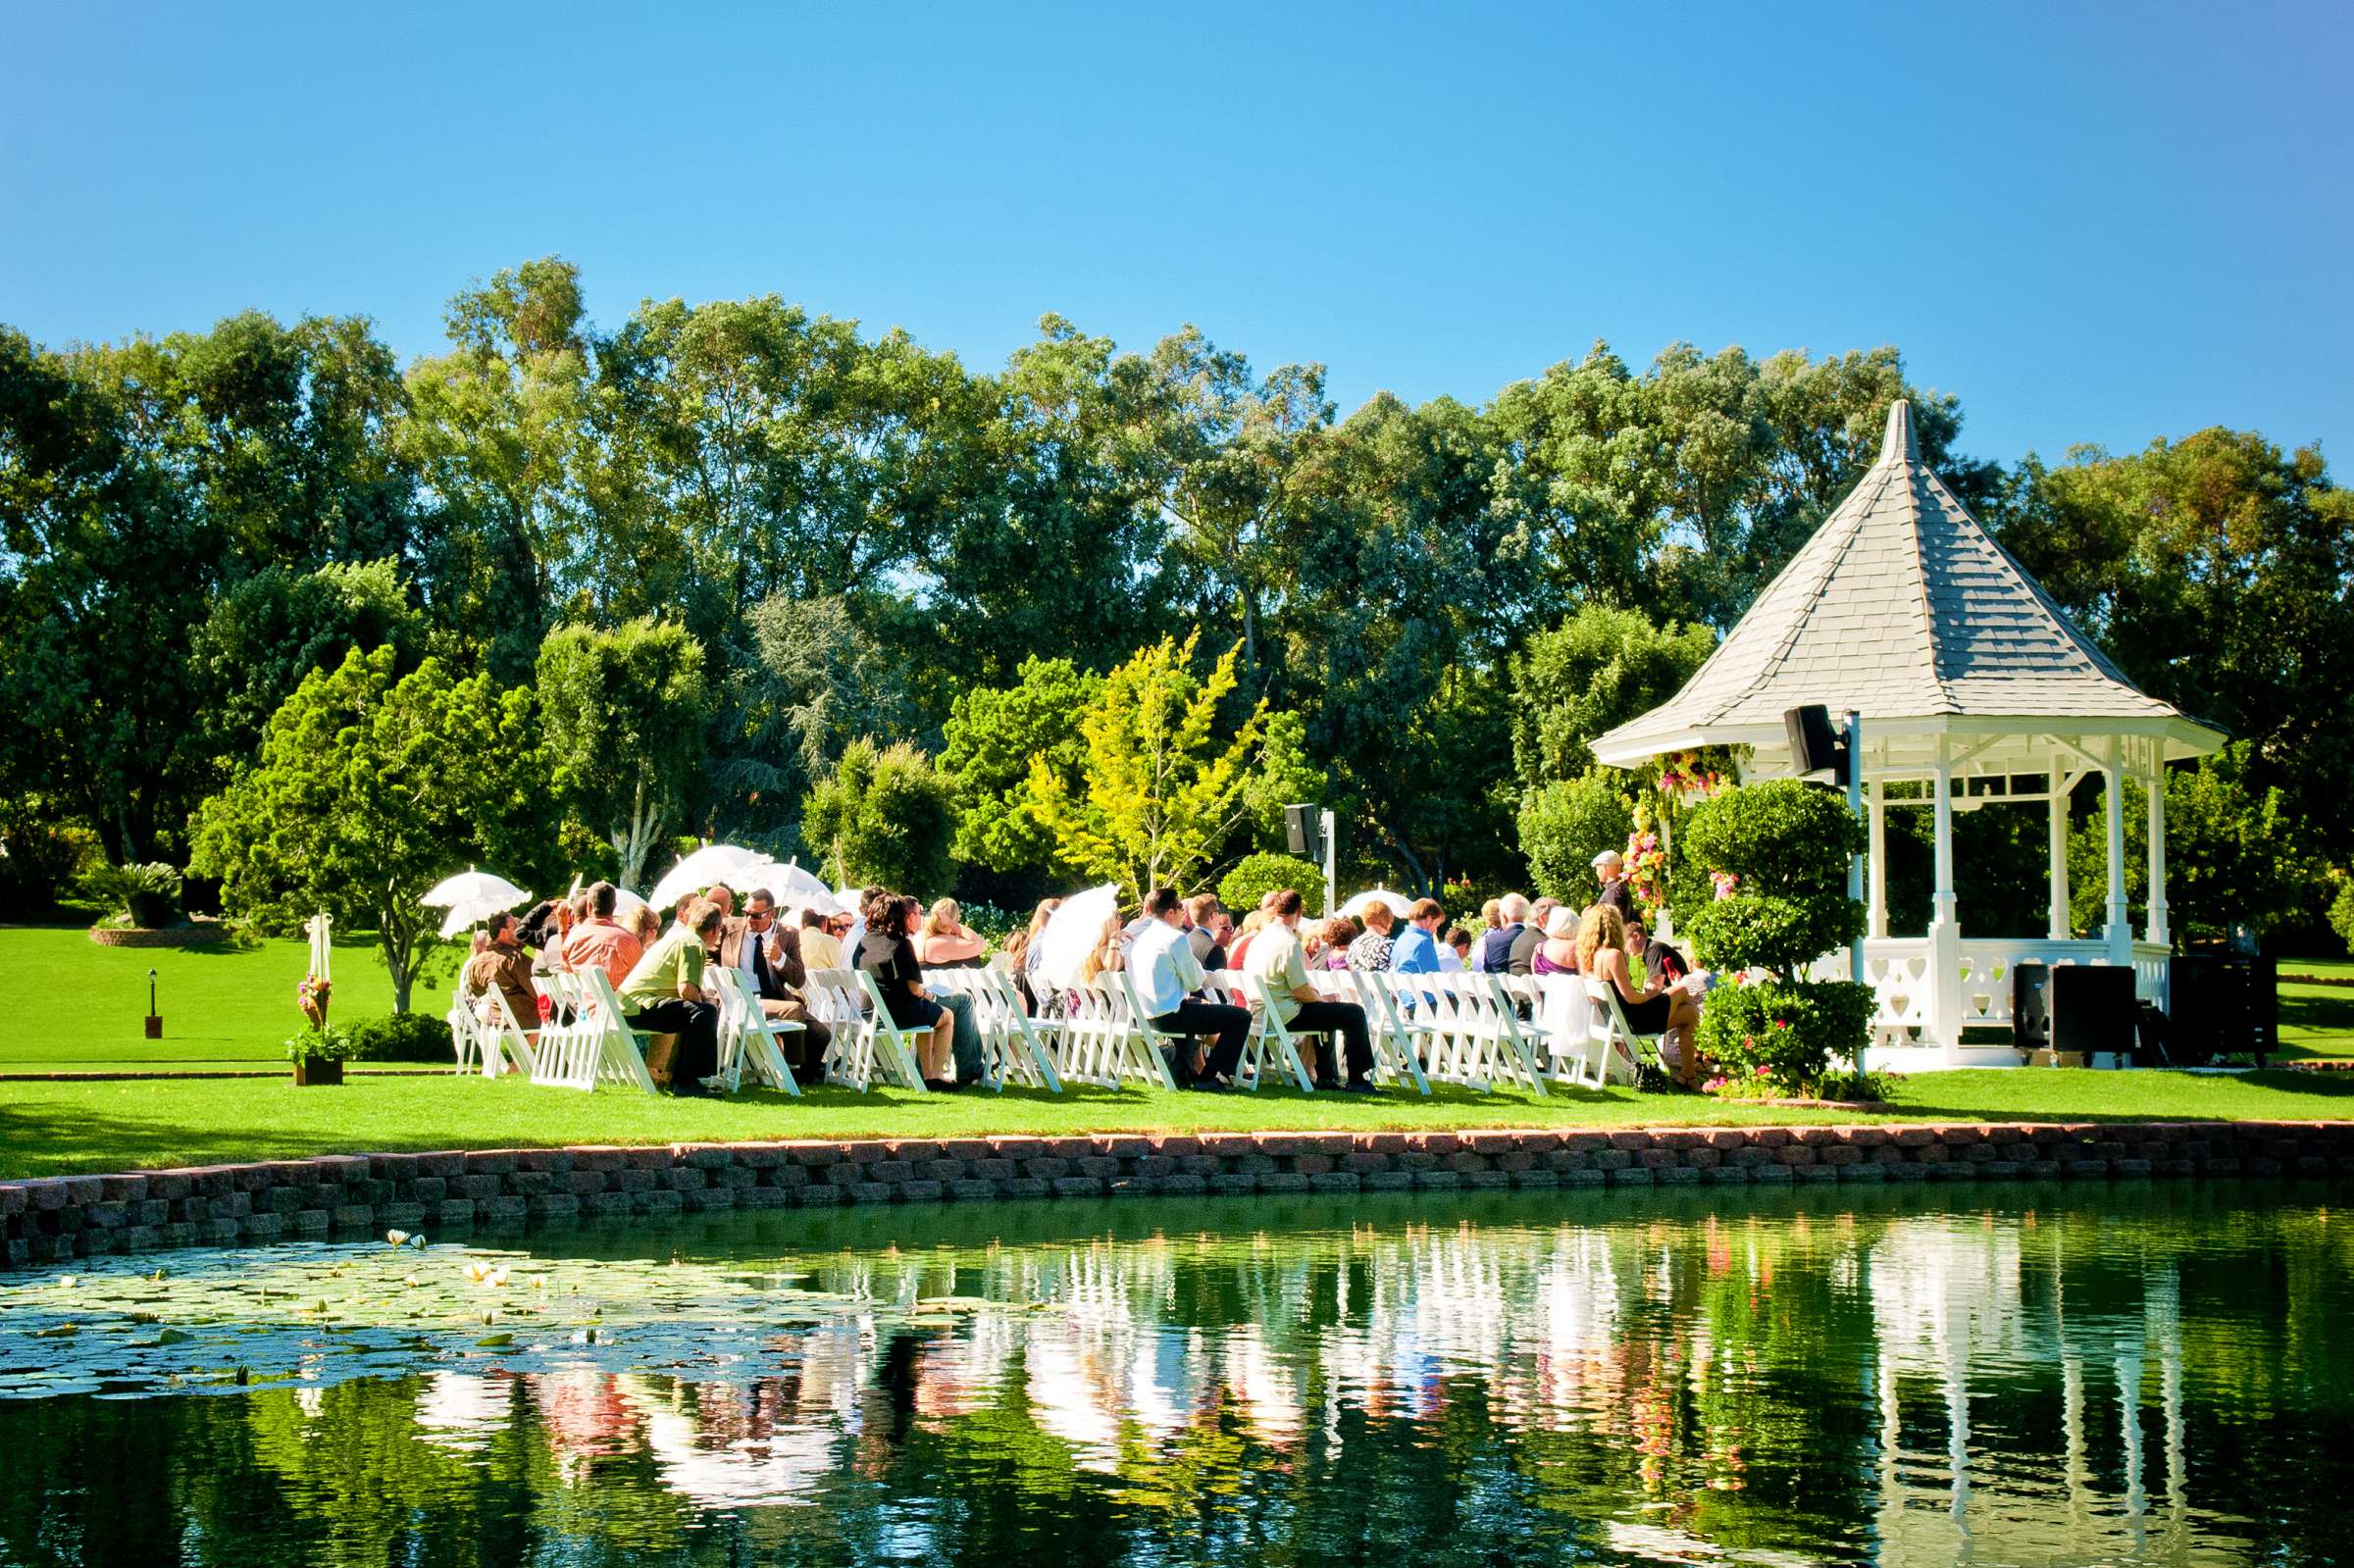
(155, 1020)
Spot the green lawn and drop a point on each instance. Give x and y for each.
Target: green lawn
(52, 1127)
(79, 1007)
(2317, 1020)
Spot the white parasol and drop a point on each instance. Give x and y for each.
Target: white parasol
(1399, 903)
(1072, 932)
(472, 895)
(699, 870)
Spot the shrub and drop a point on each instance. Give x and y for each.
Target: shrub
(1776, 855)
(1565, 824)
(402, 1037)
(2341, 913)
(1784, 1033)
(146, 895)
(329, 1045)
(991, 922)
(884, 816)
(1253, 877)
(38, 858)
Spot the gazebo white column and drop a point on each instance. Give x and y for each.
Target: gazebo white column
(2156, 932)
(2057, 926)
(2120, 929)
(1877, 908)
(1945, 932)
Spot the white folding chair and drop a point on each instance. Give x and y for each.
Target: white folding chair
(746, 1031)
(465, 1035)
(1394, 1053)
(565, 1056)
(616, 1052)
(1140, 1042)
(1629, 1052)
(505, 1046)
(894, 1049)
(1012, 1045)
(833, 997)
(1449, 1023)
(1274, 1038)
(1506, 1050)
(1561, 1021)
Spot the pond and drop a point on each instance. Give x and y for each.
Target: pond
(1990, 1374)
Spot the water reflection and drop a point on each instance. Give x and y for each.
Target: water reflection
(2040, 1377)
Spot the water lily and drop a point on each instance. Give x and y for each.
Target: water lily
(398, 1238)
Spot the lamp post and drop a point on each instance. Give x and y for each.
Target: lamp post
(155, 1020)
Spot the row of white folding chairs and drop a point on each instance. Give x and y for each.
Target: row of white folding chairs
(1015, 1047)
(586, 1040)
(747, 1035)
(867, 1046)
(1105, 1038)
(490, 1044)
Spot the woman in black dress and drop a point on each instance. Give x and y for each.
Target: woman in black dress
(887, 951)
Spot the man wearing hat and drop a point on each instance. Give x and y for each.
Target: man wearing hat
(1610, 869)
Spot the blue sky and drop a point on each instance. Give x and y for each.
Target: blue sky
(2092, 224)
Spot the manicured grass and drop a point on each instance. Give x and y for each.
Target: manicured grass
(79, 1008)
(48, 1128)
(2317, 1020)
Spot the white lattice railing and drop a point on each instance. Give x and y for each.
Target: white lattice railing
(1897, 968)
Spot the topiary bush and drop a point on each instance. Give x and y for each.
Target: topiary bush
(2341, 913)
(1776, 855)
(1253, 877)
(1565, 824)
(402, 1037)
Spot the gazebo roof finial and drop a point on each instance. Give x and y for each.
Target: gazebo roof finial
(1897, 445)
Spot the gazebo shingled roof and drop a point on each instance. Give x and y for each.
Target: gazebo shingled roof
(1903, 609)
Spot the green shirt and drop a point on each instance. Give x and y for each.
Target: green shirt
(676, 959)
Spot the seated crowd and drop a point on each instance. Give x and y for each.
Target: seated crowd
(1171, 949)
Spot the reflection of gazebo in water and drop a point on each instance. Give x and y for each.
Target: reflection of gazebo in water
(1974, 688)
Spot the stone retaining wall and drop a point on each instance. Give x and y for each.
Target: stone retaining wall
(62, 1217)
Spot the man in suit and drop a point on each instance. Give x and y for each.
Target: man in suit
(1496, 954)
(1522, 958)
(767, 952)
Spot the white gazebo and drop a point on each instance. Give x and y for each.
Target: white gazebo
(1973, 688)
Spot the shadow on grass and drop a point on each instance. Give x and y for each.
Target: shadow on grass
(71, 1140)
(2333, 1091)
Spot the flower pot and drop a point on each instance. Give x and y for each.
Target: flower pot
(310, 1074)
(150, 911)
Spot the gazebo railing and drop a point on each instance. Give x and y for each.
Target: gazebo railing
(1899, 971)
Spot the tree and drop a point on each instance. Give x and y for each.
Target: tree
(104, 562)
(268, 631)
(1594, 671)
(371, 788)
(817, 674)
(884, 816)
(1164, 793)
(624, 716)
(1779, 852)
(497, 431)
(994, 738)
(1565, 824)
(2234, 854)
(2217, 571)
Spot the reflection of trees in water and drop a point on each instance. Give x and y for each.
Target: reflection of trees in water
(1927, 1387)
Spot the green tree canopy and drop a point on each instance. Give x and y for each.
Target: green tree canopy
(624, 716)
(1590, 674)
(371, 788)
(996, 736)
(884, 816)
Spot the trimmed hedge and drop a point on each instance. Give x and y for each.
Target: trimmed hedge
(402, 1037)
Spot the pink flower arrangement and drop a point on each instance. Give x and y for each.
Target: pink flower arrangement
(1647, 870)
(1724, 882)
(1684, 778)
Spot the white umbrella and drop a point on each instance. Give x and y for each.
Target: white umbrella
(795, 879)
(626, 902)
(1357, 907)
(825, 903)
(707, 865)
(472, 895)
(1072, 932)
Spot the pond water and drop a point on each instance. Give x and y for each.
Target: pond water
(1986, 1375)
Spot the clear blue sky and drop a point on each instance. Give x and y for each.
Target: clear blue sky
(2091, 223)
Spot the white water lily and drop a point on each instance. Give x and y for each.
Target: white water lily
(398, 1238)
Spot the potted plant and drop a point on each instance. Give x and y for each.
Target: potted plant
(147, 896)
(319, 1054)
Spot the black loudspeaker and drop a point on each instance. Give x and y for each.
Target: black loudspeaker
(2223, 1005)
(2030, 1009)
(1815, 746)
(2092, 1008)
(1302, 831)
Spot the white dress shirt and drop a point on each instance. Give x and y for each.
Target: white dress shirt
(1163, 967)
